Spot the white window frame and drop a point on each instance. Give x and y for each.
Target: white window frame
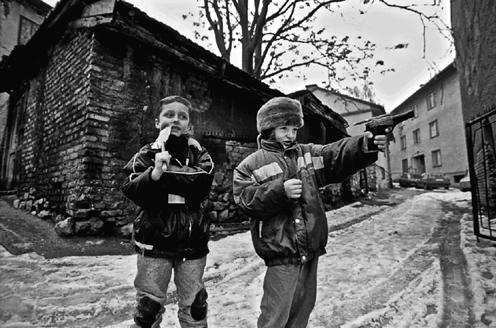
(433, 129)
(415, 111)
(416, 136)
(431, 101)
(27, 28)
(436, 158)
(404, 165)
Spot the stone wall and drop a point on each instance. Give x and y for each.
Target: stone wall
(220, 206)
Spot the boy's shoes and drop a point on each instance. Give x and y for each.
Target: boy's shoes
(200, 305)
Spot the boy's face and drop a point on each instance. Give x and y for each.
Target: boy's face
(286, 134)
(176, 115)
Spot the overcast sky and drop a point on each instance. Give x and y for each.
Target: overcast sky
(382, 25)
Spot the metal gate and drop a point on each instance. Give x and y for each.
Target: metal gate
(482, 166)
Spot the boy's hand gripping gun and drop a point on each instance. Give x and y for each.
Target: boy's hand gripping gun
(378, 125)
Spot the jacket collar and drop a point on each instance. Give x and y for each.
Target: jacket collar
(274, 146)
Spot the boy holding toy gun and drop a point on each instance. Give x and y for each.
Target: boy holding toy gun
(277, 187)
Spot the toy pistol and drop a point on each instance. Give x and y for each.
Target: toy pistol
(378, 125)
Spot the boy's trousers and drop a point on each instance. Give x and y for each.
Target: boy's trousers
(151, 282)
(289, 295)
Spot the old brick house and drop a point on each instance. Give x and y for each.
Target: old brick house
(84, 105)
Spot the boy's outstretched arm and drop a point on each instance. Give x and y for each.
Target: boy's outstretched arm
(345, 157)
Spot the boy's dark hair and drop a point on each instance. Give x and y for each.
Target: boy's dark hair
(267, 134)
(173, 99)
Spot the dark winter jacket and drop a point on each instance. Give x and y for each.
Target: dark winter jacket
(293, 231)
(170, 221)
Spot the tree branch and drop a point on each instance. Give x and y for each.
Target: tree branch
(290, 67)
(218, 30)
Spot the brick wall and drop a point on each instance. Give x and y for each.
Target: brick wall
(55, 151)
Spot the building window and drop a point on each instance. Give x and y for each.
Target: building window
(26, 30)
(403, 142)
(416, 136)
(415, 111)
(431, 101)
(433, 129)
(436, 158)
(404, 165)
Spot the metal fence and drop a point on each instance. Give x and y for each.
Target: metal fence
(480, 133)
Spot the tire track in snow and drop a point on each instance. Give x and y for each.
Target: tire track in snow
(378, 259)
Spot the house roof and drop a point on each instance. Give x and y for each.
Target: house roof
(447, 70)
(20, 64)
(375, 108)
(312, 104)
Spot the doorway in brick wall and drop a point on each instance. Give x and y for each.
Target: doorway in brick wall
(14, 140)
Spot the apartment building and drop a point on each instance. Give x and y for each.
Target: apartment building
(434, 140)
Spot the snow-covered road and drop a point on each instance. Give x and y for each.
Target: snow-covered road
(385, 271)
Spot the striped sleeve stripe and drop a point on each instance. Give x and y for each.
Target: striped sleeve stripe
(317, 161)
(267, 171)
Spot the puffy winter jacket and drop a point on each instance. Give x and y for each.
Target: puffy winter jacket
(293, 231)
(170, 221)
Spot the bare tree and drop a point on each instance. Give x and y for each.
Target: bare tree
(277, 37)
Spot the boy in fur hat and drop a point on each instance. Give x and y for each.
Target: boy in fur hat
(278, 188)
(168, 180)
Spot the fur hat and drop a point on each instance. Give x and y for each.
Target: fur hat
(279, 111)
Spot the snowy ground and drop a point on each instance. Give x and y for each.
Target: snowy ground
(380, 272)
